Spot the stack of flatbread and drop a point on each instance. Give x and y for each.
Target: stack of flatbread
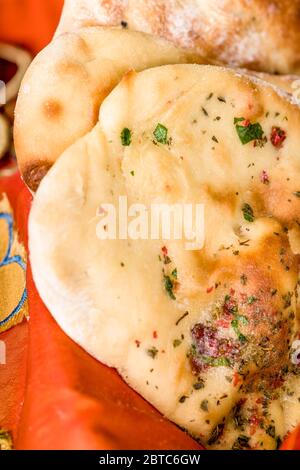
(210, 334)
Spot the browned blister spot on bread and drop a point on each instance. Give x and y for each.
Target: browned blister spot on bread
(35, 172)
(52, 109)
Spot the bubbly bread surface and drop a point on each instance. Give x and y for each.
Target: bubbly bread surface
(62, 91)
(258, 34)
(206, 336)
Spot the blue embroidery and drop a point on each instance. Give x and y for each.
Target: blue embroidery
(7, 260)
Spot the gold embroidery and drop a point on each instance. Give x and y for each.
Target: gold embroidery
(6, 442)
(13, 295)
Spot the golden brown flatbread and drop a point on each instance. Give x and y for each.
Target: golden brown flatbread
(258, 34)
(206, 336)
(62, 91)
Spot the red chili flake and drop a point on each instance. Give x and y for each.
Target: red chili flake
(264, 178)
(209, 290)
(236, 379)
(245, 123)
(278, 136)
(232, 291)
(155, 334)
(259, 401)
(176, 286)
(243, 297)
(223, 323)
(138, 343)
(164, 251)
(254, 422)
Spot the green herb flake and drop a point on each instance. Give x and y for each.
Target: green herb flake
(247, 131)
(182, 399)
(235, 325)
(204, 405)
(132, 173)
(152, 352)
(161, 134)
(199, 385)
(251, 299)
(244, 279)
(271, 431)
(248, 212)
(242, 319)
(241, 443)
(297, 193)
(126, 137)
(216, 361)
(175, 274)
(176, 343)
(215, 139)
(169, 286)
(216, 433)
(287, 300)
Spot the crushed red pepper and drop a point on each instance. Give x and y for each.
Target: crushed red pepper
(278, 136)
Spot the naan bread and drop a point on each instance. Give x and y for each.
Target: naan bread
(61, 93)
(205, 335)
(258, 34)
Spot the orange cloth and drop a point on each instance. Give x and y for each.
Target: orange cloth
(29, 23)
(71, 401)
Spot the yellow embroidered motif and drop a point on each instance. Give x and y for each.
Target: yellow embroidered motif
(13, 294)
(5, 440)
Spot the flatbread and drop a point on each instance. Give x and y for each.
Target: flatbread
(206, 336)
(62, 91)
(261, 35)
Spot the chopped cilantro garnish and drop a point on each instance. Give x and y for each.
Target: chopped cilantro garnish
(247, 131)
(126, 137)
(161, 134)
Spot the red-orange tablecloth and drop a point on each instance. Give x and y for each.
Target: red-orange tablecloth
(52, 394)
